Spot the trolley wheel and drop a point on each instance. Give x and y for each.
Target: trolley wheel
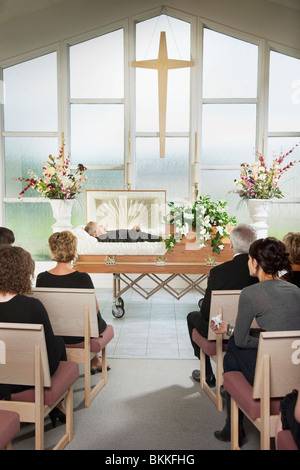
(120, 302)
(118, 311)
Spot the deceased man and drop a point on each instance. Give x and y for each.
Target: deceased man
(95, 229)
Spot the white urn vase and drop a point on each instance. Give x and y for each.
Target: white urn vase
(62, 212)
(259, 211)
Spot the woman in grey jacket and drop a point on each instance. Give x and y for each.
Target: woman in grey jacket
(272, 302)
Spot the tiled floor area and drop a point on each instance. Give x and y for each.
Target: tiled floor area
(153, 328)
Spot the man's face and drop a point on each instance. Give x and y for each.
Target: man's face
(99, 229)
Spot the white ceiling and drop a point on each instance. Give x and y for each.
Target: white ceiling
(295, 4)
(11, 9)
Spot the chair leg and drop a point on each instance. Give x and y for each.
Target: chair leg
(87, 379)
(202, 368)
(104, 365)
(234, 425)
(69, 414)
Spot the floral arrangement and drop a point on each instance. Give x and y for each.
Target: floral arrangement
(258, 181)
(58, 182)
(201, 216)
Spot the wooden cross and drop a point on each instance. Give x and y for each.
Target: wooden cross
(162, 64)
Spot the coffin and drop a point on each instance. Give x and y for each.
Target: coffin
(147, 209)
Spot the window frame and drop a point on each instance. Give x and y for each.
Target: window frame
(68, 101)
(294, 53)
(196, 96)
(53, 48)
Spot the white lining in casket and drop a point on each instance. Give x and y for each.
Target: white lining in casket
(88, 245)
(119, 210)
(127, 209)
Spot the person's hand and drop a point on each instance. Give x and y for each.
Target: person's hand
(222, 328)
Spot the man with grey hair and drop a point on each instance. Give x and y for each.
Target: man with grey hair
(231, 275)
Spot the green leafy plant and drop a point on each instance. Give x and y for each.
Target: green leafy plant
(201, 216)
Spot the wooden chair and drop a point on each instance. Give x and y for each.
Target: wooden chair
(286, 441)
(73, 312)
(9, 428)
(225, 303)
(277, 373)
(25, 362)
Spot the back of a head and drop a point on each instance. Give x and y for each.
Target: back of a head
(271, 255)
(16, 270)
(292, 243)
(7, 236)
(242, 236)
(63, 246)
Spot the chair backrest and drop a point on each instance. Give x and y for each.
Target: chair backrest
(283, 350)
(66, 309)
(228, 301)
(19, 341)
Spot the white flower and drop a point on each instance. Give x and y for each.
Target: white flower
(50, 170)
(220, 229)
(185, 229)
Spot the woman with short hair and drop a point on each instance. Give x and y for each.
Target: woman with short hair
(63, 248)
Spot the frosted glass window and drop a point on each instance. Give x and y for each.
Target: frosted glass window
(218, 183)
(229, 67)
(170, 173)
(30, 95)
(97, 134)
(97, 67)
(96, 179)
(177, 33)
(289, 182)
(178, 91)
(283, 218)
(228, 134)
(22, 154)
(178, 101)
(32, 226)
(284, 93)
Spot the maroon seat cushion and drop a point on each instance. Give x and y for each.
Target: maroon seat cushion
(97, 344)
(208, 347)
(9, 426)
(285, 441)
(64, 377)
(239, 388)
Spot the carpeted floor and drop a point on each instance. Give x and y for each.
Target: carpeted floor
(147, 404)
(150, 401)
